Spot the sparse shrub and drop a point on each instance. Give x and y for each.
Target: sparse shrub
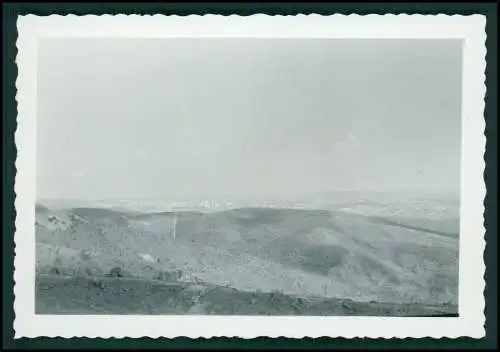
(58, 260)
(116, 272)
(298, 301)
(99, 284)
(55, 271)
(276, 295)
(160, 276)
(347, 306)
(84, 255)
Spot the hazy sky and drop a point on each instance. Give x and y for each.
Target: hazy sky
(175, 117)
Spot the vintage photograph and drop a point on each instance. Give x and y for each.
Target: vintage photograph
(253, 176)
(250, 177)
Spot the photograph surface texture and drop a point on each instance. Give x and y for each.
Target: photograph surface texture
(296, 176)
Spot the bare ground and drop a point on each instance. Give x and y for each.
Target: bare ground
(107, 295)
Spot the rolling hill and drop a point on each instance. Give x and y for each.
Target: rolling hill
(300, 253)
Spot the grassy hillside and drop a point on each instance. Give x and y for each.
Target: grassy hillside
(302, 253)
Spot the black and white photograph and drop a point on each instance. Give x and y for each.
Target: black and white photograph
(254, 176)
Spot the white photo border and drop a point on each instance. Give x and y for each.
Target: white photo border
(471, 29)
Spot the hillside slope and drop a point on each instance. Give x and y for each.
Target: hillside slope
(299, 252)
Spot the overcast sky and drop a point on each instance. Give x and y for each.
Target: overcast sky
(127, 118)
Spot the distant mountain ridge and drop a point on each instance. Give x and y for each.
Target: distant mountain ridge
(435, 205)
